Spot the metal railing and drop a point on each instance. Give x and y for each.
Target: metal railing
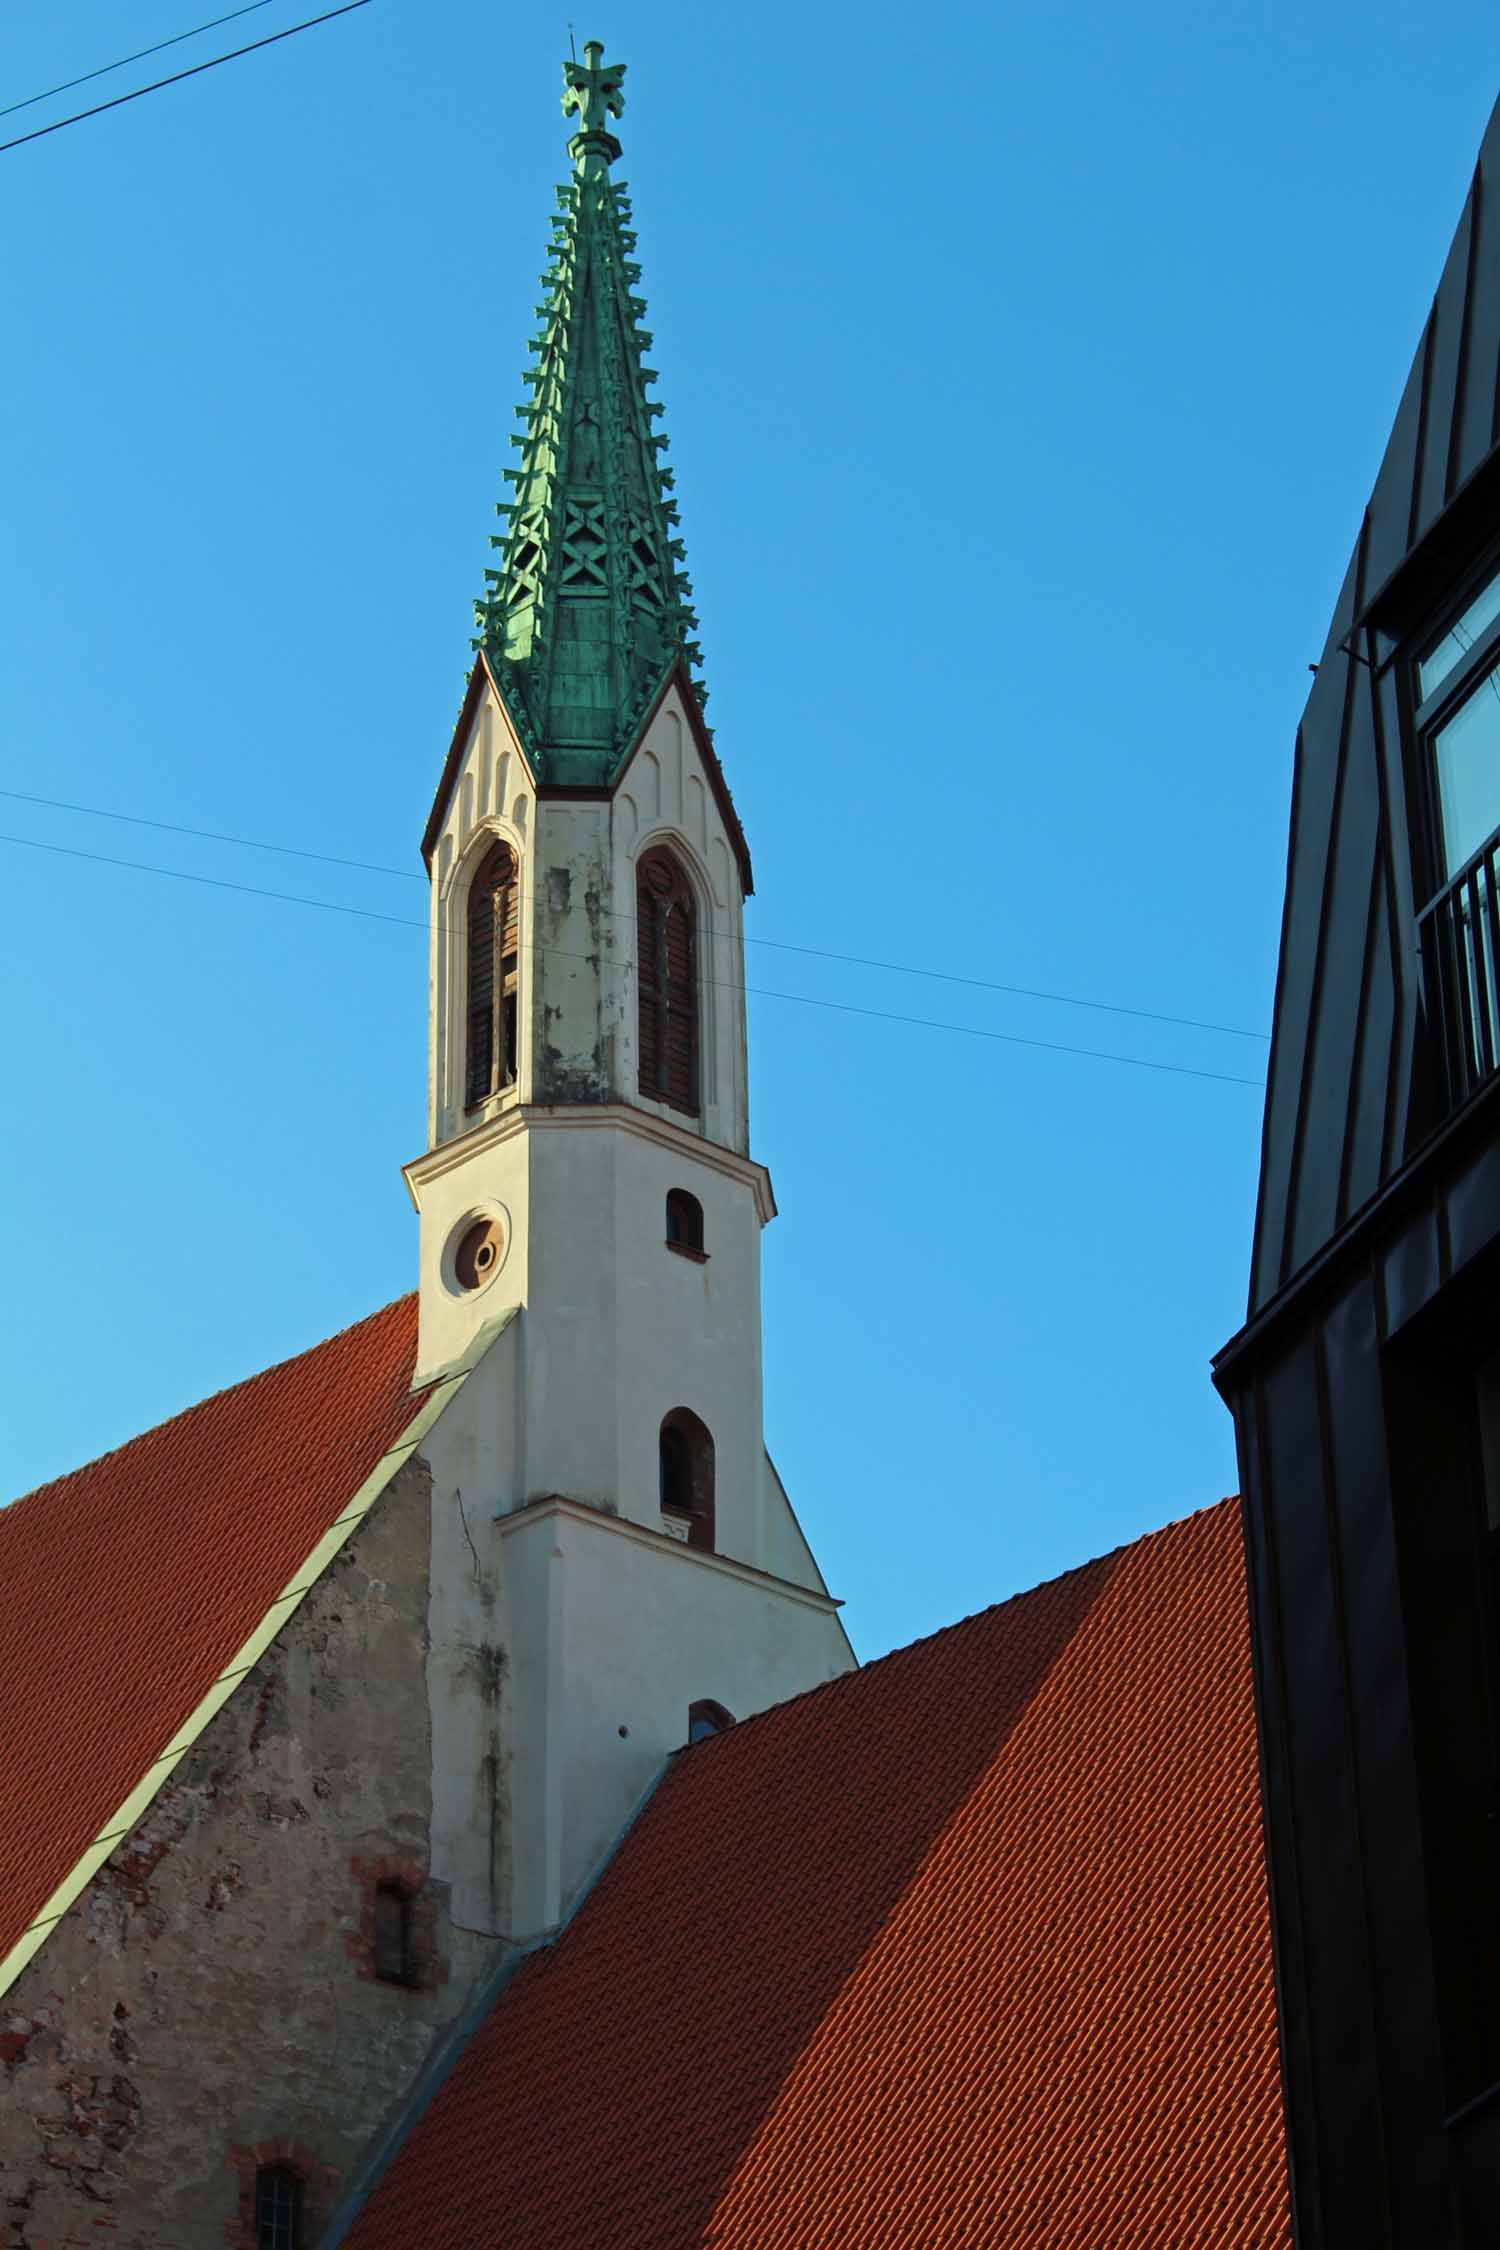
(1460, 937)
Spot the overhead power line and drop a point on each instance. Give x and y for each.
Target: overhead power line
(272, 39)
(67, 84)
(760, 992)
(212, 835)
(776, 945)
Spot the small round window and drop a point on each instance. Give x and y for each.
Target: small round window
(480, 1251)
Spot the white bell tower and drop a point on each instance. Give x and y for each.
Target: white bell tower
(590, 1213)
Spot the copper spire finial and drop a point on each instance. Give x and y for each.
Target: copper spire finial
(594, 93)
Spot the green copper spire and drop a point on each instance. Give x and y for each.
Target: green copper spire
(589, 609)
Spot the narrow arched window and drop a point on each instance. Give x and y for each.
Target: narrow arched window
(278, 2208)
(685, 1223)
(494, 975)
(667, 978)
(685, 1464)
(707, 1718)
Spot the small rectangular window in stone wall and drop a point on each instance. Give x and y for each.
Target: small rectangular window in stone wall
(278, 2207)
(395, 1941)
(285, 2199)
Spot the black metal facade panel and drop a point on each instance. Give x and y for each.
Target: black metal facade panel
(1283, 1870)
(1477, 427)
(1445, 349)
(1404, 944)
(1343, 968)
(1313, 790)
(1374, 1062)
(1364, 2085)
(1358, 1434)
(1402, 2011)
(1322, 1795)
(1471, 1209)
(1347, 1049)
(1393, 503)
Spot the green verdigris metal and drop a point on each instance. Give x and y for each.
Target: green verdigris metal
(589, 609)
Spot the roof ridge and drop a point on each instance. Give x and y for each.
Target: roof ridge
(943, 1632)
(9, 1508)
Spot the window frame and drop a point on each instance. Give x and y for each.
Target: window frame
(1428, 715)
(1456, 916)
(700, 1472)
(404, 1974)
(689, 1245)
(273, 2177)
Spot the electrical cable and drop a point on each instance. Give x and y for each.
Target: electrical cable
(213, 835)
(776, 945)
(177, 77)
(140, 55)
(760, 992)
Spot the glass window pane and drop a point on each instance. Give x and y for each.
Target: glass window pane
(1468, 773)
(1459, 638)
(276, 2213)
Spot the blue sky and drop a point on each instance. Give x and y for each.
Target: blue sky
(1025, 375)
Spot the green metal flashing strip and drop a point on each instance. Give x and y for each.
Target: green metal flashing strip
(454, 1370)
(130, 1813)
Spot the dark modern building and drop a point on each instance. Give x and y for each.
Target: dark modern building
(1365, 1384)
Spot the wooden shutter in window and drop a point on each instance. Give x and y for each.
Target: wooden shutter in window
(682, 1008)
(494, 952)
(652, 889)
(510, 919)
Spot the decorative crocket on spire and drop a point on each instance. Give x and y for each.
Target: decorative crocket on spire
(590, 607)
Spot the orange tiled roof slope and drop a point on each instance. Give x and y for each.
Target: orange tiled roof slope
(127, 1586)
(970, 1947)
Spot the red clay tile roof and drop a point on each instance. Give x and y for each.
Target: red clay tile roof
(126, 1586)
(970, 1947)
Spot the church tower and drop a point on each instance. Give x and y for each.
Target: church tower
(590, 1213)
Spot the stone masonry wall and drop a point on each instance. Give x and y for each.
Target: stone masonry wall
(210, 2003)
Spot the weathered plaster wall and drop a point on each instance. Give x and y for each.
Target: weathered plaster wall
(614, 1630)
(577, 1021)
(210, 1993)
(617, 1331)
(580, 947)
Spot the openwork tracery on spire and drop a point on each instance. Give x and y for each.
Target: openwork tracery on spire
(590, 606)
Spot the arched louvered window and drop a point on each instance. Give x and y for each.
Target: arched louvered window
(667, 977)
(494, 975)
(685, 1462)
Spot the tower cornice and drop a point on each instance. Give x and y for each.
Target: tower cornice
(589, 1117)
